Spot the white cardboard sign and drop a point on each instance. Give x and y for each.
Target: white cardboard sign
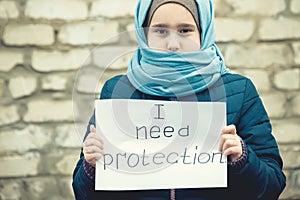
(151, 144)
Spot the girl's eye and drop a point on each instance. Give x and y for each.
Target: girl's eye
(185, 31)
(161, 31)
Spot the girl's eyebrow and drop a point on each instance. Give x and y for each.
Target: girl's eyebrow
(160, 25)
(183, 25)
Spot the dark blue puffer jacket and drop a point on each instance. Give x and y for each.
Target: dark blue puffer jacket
(260, 178)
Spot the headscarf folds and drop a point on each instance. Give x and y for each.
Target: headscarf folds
(176, 73)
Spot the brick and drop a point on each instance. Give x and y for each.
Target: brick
(275, 109)
(87, 83)
(91, 81)
(2, 86)
(8, 10)
(54, 82)
(121, 63)
(295, 6)
(9, 59)
(233, 29)
(260, 79)
(130, 31)
(41, 188)
(112, 9)
(290, 193)
(56, 9)
(10, 190)
(67, 163)
(67, 136)
(116, 58)
(48, 61)
(19, 35)
(288, 79)
(298, 178)
(9, 115)
(296, 47)
(291, 159)
(279, 29)
(260, 56)
(33, 138)
(66, 188)
(286, 132)
(16, 166)
(22, 86)
(221, 8)
(89, 33)
(257, 7)
(291, 190)
(49, 111)
(295, 105)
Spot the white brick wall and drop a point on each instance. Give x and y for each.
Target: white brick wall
(48, 61)
(22, 86)
(8, 10)
(258, 56)
(16, 166)
(88, 33)
(260, 78)
(257, 7)
(49, 111)
(56, 9)
(9, 59)
(54, 82)
(33, 138)
(37, 34)
(10, 190)
(44, 44)
(275, 109)
(225, 29)
(9, 115)
(112, 9)
(2, 85)
(279, 29)
(288, 79)
(66, 136)
(296, 47)
(296, 105)
(286, 132)
(295, 6)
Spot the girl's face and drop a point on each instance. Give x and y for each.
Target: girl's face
(173, 28)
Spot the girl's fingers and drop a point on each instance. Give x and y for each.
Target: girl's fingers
(92, 159)
(93, 142)
(229, 130)
(92, 149)
(233, 151)
(224, 138)
(95, 137)
(92, 128)
(231, 143)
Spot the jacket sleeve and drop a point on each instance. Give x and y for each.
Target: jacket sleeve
(262, 174)
(82, 184)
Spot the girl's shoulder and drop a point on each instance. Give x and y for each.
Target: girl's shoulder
(117, 87)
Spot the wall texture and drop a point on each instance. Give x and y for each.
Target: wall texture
(45, 42)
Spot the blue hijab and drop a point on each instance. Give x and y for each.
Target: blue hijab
(177, 74)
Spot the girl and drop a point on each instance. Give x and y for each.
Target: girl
(177, 59)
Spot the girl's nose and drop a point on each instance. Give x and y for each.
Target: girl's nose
(173, 43)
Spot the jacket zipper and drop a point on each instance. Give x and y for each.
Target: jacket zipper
(172, 194)
(173, 191)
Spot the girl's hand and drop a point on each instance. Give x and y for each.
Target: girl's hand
(230, 144)
(92, 147)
